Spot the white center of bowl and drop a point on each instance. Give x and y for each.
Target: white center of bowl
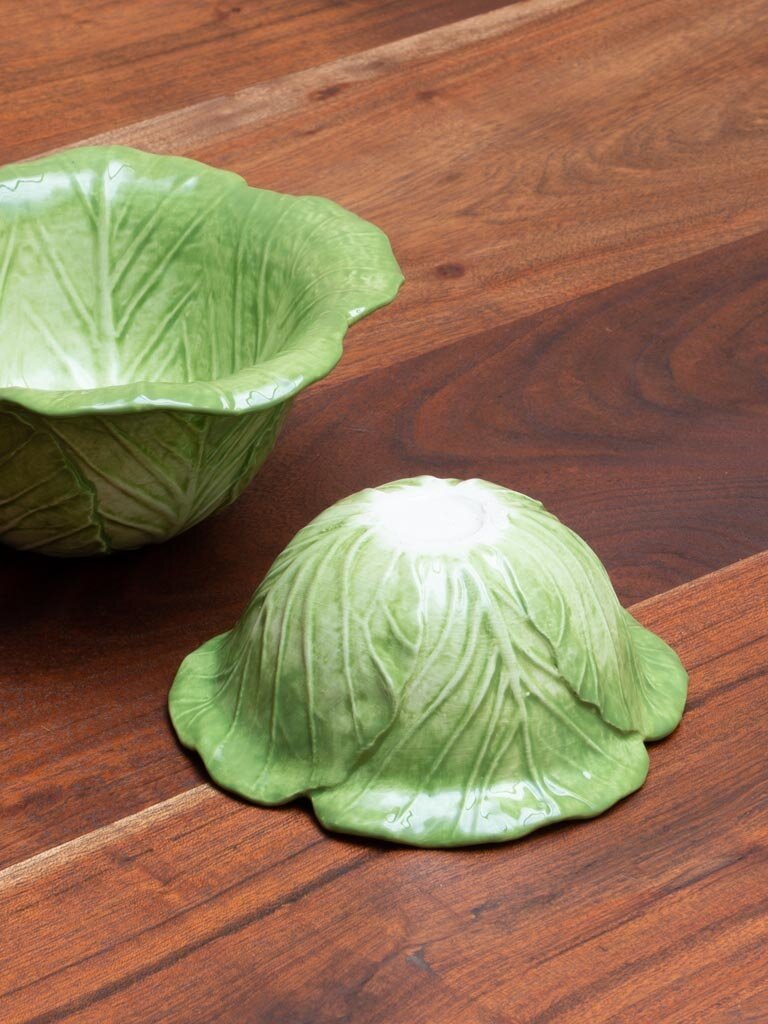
(418, 518)
(433, 515)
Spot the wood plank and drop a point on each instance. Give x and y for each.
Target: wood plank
(206, 909)
(638, 414)
(73, 69)
(520, 159)
(653, 450)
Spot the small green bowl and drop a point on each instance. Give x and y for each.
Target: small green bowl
(157, 316)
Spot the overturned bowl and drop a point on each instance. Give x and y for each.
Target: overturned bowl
(436, 662)
(157, 316)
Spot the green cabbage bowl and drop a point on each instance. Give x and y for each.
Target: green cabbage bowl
(433, 662)
(157, 316)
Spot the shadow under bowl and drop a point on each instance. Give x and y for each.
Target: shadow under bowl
(157, 316)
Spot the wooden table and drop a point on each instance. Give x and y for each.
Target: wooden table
(576, 190)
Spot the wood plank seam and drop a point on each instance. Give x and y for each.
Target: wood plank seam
(344, 372)
(698, 583)
(202, 122)
(30, 869)
(90, 842)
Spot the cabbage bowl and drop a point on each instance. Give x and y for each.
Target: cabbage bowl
(436, 662)
(157, 316)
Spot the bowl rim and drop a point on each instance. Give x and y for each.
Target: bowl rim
(307, 357)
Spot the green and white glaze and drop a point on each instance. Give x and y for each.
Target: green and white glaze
(436, 662)
(156, 318)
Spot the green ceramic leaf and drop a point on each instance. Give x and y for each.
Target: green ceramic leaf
(156, 317)
(435, 662)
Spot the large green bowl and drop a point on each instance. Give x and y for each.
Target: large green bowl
(157, 316)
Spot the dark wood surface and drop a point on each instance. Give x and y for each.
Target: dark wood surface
(202, 908)
(576, 192)
(653, 447)
(70, 69)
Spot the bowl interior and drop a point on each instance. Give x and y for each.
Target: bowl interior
(118, 266)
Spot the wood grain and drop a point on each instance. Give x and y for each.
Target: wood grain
(638, 414)
(533, 155)
(206, 909)
(576, 192)
(68, 70)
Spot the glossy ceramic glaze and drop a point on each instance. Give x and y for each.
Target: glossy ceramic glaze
(435, 662)
(156, 318)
